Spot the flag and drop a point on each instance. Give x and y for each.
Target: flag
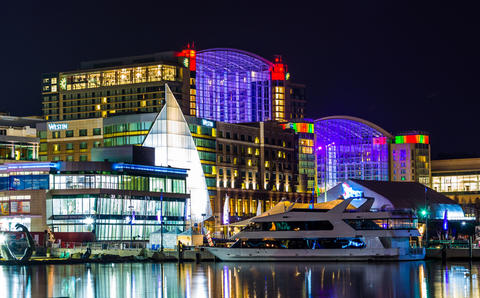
(226, 211)
(445, 220)
(259, 207)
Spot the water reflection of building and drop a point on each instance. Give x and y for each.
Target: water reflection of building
(403, 279)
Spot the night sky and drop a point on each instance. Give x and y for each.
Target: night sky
(401, 67)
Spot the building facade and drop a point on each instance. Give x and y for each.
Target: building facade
(115, 201)
(218, 84)
(306, 168)
(70, 140)
(101, 89)
(18, 138)
(256, 168)
(459, 179)
(410, 158)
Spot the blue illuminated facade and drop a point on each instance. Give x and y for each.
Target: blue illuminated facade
(233, 86)
(350, 148)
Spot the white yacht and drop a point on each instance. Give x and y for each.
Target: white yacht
(341, 233)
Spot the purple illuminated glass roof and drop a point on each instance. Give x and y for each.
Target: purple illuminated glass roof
(349, 148)
(233, 86)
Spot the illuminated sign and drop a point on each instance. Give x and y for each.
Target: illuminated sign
(207, 123)
(133, 167)
(380, 141)
(349, 192)
(57, 126)
(191, 55)
(412, 139)
(300, 127)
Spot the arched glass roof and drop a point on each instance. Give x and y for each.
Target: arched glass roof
(231, 60)
(344, 128)
(233, 86)
(350, 148)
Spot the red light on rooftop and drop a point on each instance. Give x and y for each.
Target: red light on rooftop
(279, 69)
(191, 55)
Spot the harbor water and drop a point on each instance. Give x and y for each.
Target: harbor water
(289, 279)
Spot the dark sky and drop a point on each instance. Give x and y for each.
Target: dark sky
(400, 66)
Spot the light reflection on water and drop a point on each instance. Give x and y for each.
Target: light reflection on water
(403, 279)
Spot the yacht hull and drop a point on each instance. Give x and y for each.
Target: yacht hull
(378, 254)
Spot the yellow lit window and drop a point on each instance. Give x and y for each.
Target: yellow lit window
(214, 170)
(97, 107)
(143, 103)
(279, 154)
(234, 160)
(257, 152)
(235, 173)
(104, 100)
(249, 162)
(266, 163)
(257, 140)
(56, 147)
(249, 150)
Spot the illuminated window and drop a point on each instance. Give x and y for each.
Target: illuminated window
(56, 147)
(97, 131)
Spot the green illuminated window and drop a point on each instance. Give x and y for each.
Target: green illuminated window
(82, 132)
(69, 133)
(97, 131)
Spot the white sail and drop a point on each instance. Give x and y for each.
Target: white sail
(175, 147)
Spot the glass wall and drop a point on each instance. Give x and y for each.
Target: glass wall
(116, 77)
(350, 148)
(456, 183)
(15, 151)
(233, 86)
(121, 182)
(113, 214)
(174, 146)
(21, 182)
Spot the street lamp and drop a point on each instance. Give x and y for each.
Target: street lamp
(325, 166)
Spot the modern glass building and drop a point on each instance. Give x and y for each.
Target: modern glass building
(174, 146)
(115, 201)
(236, 86)
(350, 148)
(233, 86)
